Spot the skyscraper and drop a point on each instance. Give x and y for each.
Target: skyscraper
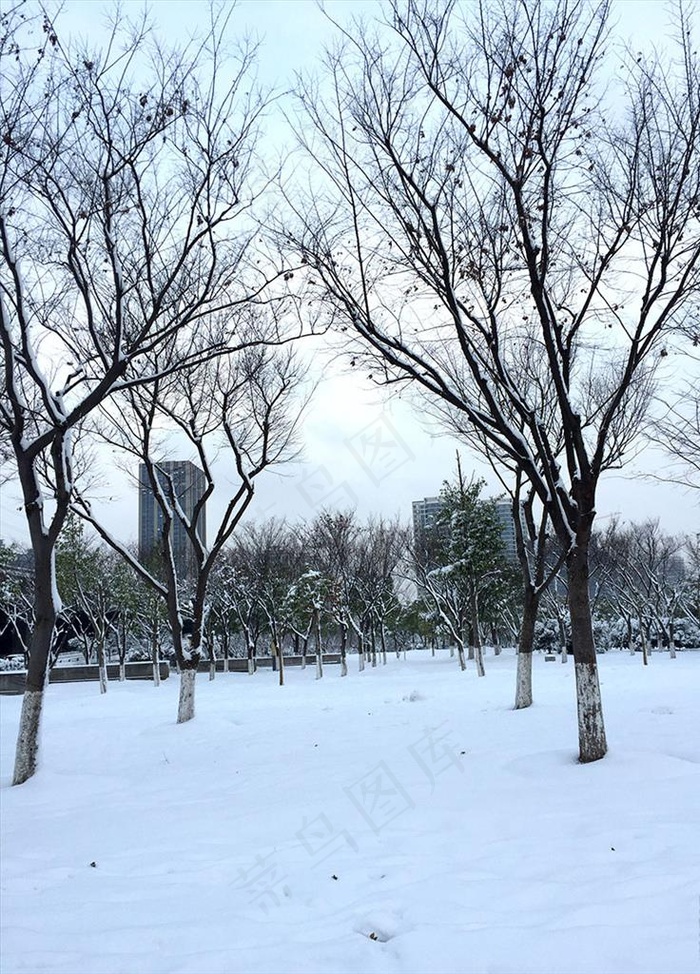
(426, 511)
(188, 485)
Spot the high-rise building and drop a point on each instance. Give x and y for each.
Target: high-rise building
(426, 511)
(424, 514)
(504, 510)
(188, 485)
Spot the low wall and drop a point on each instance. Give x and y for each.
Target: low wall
(13, 681)
(239, 664)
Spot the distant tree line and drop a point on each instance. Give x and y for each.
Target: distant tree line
(337, 584)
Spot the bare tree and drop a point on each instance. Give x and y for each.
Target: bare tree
(677, 431)
(240, 405)
(539, 560)
(481, 196)
(127, 181)
(332, 540)
(643, 576)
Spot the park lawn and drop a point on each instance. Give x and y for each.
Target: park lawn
(404, 819)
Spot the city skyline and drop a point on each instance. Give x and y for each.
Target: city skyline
(188, 485)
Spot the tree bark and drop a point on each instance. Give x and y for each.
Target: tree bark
(591, 728)
(102, 665)
(479, 659)
(526, 642)
(251, 657)
(343, 649)
(319, 649)
(185, 710)
(45, 611)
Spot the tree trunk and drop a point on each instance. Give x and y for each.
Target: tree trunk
(45, 611)
(476, 631)
(361, 650)
(479, 659)
(526, 642)
(645, 645)
(102, 665)
(343, 649)
(563, 641)
(319, 649)
(155, 655)
(251, 657)
(277, 654)
(591, 728)
(185, 710)
(382, 641)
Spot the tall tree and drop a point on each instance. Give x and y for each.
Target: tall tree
(127, 181)
(482, 198)
(242, 406)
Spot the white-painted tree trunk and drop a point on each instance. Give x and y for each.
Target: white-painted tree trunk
(523, 681)
(590, 711)
(102, 667)
(185, 709)
(122, 670)
(460, 657)
(479, 660)
(28, 737)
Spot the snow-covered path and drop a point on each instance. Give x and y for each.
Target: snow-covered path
(404, 819)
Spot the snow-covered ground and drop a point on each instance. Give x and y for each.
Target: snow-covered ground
(404, 819)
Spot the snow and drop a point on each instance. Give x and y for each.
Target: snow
(404, 819)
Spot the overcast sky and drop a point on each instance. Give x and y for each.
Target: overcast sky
(360, 450)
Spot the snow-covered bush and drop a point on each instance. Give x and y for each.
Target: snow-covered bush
(12, 663)
(546, 634)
